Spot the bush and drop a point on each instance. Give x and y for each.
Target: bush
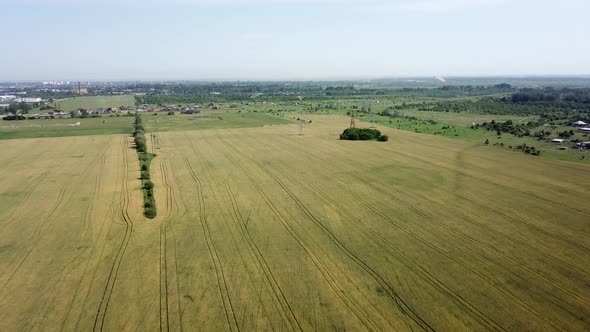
(171, 113)
(149, 185)
(363, 134)
(145, 175)
(383, 138)
(150, 212)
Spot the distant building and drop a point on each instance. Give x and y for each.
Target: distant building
(190, 110)
(81, 91)
(557, 140)
(584, 130)
(579, 124)
(7, 98)
(31, 100)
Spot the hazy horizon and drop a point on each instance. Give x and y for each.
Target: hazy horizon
(280, 40)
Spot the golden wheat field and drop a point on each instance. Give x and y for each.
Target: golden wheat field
(263, 229)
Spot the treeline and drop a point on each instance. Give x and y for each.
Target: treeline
(509, 127)
(145, 159)
(552, 96)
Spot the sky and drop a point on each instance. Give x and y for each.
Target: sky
(290, 39)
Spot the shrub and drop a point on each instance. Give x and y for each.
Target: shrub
(171, 113)
(149, 185)
(383, 138)
(150, 212)
(363, 134)
(145, 175)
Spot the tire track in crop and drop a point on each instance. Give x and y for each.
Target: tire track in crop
(37, 232)
(380, 280)
(464, 264)
(166, 224)
(487, 181)
(101, 156)
(573, 295)
(29, 192)
(174, 199)
(164, 312)
(375, 234)
(112, 278)
(255, 253)
(410, 263)
(322, 268)
(456, 232)
(544, 184)
(505, 257)
(221, 281)
(86, 223)
(168, 189)
(169, 225)
(110, 219)
(90, 208)
(459, 179)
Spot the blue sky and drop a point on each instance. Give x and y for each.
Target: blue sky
(289, 39)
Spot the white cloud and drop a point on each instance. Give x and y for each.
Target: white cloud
(445, 5)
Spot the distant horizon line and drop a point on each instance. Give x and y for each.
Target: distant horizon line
(325, 79)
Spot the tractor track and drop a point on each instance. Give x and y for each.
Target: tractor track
(412, 208)
(256, 254)
(446, 208)
(101, 313)
(323, 269)
(221, 280)
(409, 263)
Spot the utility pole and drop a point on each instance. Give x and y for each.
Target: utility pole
(157, 136)
(301, 127)
(373, 118)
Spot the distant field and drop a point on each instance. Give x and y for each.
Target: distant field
(263, 229)
(123, 125)
(94, 102)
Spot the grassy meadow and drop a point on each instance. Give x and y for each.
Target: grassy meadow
(123, 124)
(263, 229)
(94, 102)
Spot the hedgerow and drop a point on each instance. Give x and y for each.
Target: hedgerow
(145, 158)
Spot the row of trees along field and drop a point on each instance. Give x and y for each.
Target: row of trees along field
(145, 159)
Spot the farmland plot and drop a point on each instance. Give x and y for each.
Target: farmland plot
(262, 229)
(309, 233)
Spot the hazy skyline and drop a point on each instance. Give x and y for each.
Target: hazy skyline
(288, 39)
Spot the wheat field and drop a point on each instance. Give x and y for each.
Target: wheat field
(263, 229)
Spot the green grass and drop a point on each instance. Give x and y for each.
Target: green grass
(63, 128)
(219, 119)
(108, 125)
(93, 102)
